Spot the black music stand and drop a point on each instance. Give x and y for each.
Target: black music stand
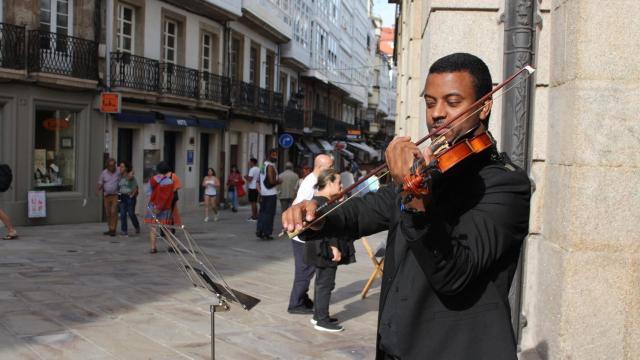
(197, 267)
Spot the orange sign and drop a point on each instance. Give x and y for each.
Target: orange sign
(52, 124)
(110, 102)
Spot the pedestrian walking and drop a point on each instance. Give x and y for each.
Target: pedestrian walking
(287, 189)
(6, 177)
(234, 187)
(299, 301)
(268, 196)
(128, 194)
(108, 187)
(326, 254)
(252, 185)
(211, 186)
(160, 202)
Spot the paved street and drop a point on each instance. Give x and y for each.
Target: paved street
(69, 292)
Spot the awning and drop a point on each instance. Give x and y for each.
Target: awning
(136, 117)
(298, 145)
(325, 145)
(180, 121)
(212, 123)
(347, 153)
(366, 148)
(312, 146)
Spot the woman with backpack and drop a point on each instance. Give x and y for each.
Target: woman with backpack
(326, 254)
(161, 202)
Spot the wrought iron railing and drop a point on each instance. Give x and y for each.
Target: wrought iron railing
(12, 46)
(214, 87)
(277, 103)
(319, 121)
(179, 80)
(244, 95)
(62, 54)
(293, 119)
(134, 72)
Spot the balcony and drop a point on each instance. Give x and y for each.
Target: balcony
(62, 55)
(178, 80)
(319, 122)
(134, 72)
(255, 100)
(158, 78)
(340, 129)
(293, 120)
(12, 46)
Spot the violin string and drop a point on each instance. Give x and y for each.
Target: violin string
(495, 97)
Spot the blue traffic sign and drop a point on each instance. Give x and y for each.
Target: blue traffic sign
(285, 141)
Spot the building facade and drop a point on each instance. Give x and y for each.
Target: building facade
(580, 273)
(50, 130)
(202, 84)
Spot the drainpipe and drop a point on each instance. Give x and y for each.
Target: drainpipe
(519, 50)
(109, 42)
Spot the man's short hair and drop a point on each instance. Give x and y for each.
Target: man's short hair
(163, 167)
(253, 160)
(466, 62)
(288, 165)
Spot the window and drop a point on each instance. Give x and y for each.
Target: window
(332, 51)
(282, 85)
(268, 76)
(253, 65)
(54, 155)
(234, 59)
(170, 41)
(125, 31)
(55, 17)
(293, 87)
(206, 52)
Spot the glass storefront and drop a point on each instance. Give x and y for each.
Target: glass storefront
(54, 155)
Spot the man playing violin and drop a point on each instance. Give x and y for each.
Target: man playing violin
(451, 252)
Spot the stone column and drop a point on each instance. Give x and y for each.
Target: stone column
(583, 269)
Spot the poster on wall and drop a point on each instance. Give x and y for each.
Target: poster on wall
(37, 204)
(253, 145)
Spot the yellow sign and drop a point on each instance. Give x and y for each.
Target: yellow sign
(110, 102)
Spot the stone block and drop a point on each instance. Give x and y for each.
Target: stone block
(466, 4)
(543, 50)
(544, 269)
(540, 124)
(592, 208)
(595, 293)
(594, 123)
(632, 310)
(536, 216)
(588, 52)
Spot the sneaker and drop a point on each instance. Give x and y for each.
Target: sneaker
(327, 326)
(234, 210)
(124, 233)
(215, 218)
(137, 230)
(252, 219)
(331, 320)
(206, 219)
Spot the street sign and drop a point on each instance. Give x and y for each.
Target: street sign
(285, 141)
(110, 102)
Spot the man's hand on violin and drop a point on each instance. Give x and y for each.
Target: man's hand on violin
(400, 155)
(297, 216)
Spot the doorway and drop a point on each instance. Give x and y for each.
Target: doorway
(125, 145)
(169, 149)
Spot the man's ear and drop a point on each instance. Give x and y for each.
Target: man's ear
(486, 110)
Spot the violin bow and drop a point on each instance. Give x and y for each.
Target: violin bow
(527, 69)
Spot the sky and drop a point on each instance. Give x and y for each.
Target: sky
(385, 10)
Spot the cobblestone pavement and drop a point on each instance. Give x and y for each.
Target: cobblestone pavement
(69, 292)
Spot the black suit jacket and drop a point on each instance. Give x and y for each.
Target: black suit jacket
(447, 271)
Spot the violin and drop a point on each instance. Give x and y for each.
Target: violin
(446, 156)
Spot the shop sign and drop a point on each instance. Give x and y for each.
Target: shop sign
(353, 133)
(189, 157)
(110, 102)
(52, 124)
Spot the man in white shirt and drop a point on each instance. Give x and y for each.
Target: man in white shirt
(268, 196)
(252, 181)
(299, 301)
